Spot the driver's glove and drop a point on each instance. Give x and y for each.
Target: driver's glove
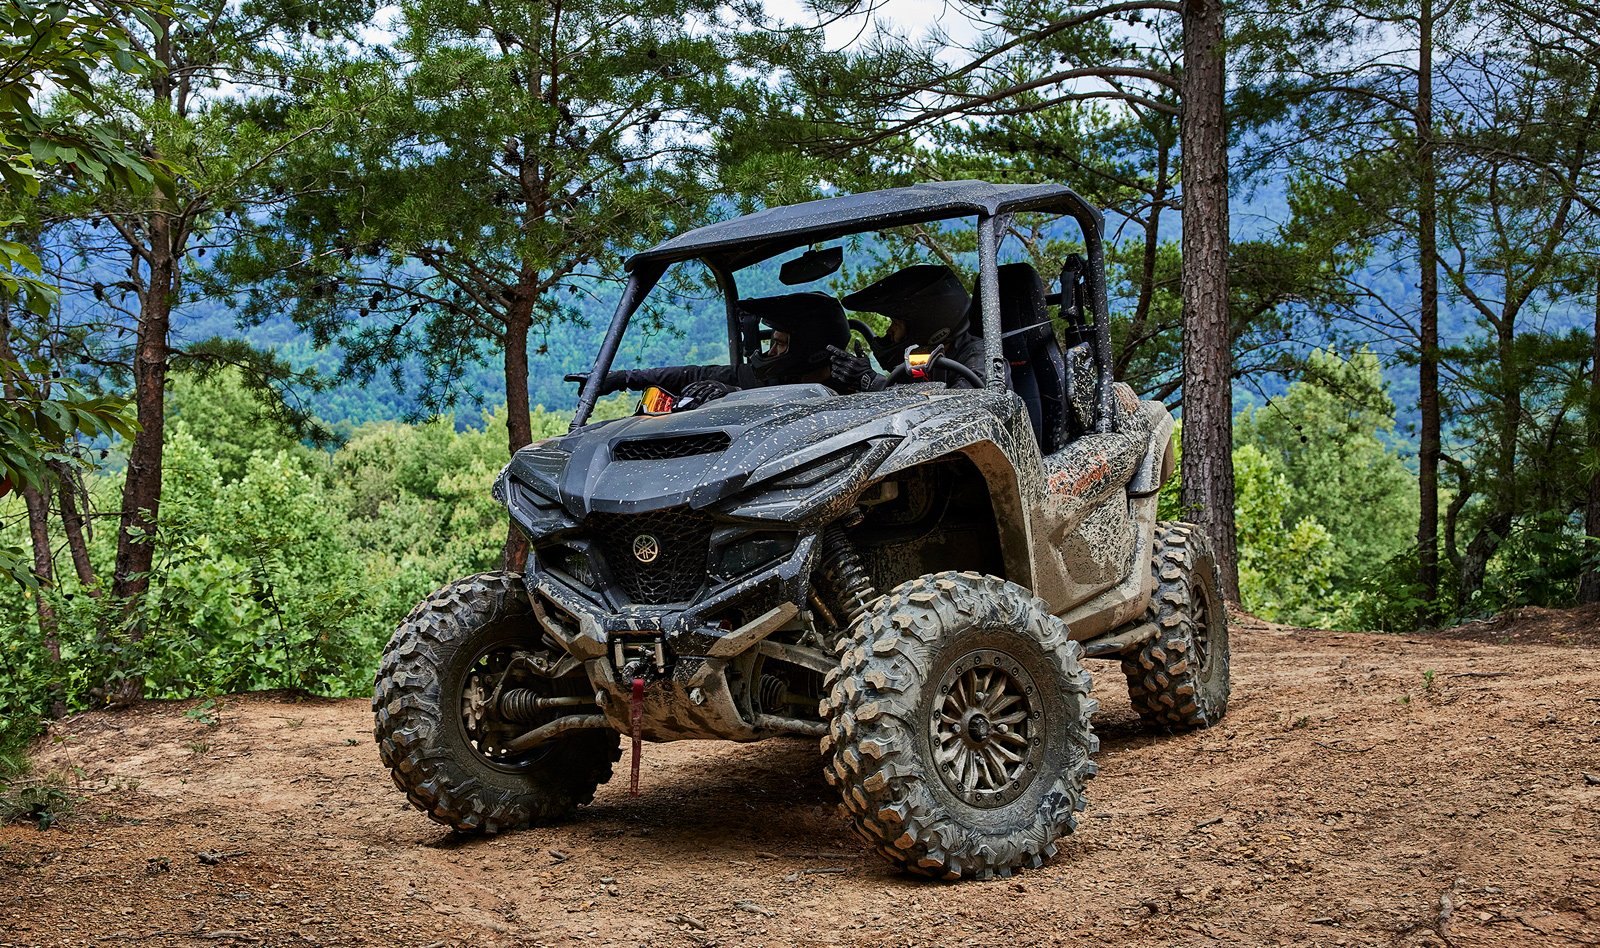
(707, 390)
(852, 372)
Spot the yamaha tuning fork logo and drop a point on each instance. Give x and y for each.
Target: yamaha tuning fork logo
(646, 548)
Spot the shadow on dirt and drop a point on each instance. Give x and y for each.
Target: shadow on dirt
(742, 803)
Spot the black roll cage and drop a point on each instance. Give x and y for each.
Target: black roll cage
(723, 259)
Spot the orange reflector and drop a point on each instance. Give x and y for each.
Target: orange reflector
(656, 401)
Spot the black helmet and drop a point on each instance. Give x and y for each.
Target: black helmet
(928, 299)
(814, 321)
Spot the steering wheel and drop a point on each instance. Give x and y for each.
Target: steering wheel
(902, 372)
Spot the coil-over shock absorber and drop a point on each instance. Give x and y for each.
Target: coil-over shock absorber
(841, 574)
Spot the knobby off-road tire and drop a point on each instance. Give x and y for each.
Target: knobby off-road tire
(423, 739)
(926, 650)
(1179, 679)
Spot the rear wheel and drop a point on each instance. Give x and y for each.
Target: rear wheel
(465, 675)
(1180, 678)
(958, 727)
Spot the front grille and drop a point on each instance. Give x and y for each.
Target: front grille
(681, 541)
(662, 449)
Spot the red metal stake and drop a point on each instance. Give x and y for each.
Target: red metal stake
(637, 720)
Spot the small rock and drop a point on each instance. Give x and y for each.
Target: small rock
(1591, 780)
(1324, 920)
(683, 918)
(745, 905)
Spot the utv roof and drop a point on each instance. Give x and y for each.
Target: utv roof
(754, 237)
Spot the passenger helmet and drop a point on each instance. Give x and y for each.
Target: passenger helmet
(928, 299)
(814, 321)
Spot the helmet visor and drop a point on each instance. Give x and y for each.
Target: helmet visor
(774, 343)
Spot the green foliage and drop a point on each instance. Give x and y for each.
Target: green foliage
(232, 420)
(55, 48)
(1539, 562)
(277, 566)
(40, 420)
(49, 51)
(1326, 440)
(42, 802)
(1285, 563)
(1324, 504)
(482, 180)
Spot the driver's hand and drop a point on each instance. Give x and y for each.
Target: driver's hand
(852, 372)
(707, 390)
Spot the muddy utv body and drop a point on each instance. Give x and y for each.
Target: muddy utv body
(914, 575)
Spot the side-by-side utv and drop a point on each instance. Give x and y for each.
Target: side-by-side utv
(912, 575)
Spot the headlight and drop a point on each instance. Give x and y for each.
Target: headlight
(572, 563)
(750, 553)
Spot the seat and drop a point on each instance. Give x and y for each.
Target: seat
(1038, 371)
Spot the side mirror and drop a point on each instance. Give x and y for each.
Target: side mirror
(811, 265)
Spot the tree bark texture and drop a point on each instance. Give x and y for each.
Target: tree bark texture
(519, 424)
(1430, 437)
(1208, 490)
(141, 489)
(72, 524)
(44, 567)
(38, 506)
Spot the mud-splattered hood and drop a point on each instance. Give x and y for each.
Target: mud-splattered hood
(746, 442)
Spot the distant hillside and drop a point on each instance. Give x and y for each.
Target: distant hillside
(691, 329)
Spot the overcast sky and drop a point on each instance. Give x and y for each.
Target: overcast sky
(914, 16)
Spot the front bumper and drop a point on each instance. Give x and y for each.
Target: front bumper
(694, 698)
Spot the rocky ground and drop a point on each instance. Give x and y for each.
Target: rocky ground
(1363, 790)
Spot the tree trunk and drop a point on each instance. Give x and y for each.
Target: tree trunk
(44, 569)
(72, 525)
(141, 488)
(519, 424)
(1589, 584)
(1502, 495)
(1430, 442)
(1207, 355)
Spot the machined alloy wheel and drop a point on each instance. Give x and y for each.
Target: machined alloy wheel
(989, 733)
(958, 727)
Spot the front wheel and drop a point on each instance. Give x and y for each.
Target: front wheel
(958, 727)
(462, 678)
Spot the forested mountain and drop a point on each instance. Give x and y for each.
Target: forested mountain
(694, 332)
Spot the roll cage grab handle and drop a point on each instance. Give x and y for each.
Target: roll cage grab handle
(644, 278)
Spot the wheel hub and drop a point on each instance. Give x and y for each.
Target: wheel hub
(987, 729)
(494, 673)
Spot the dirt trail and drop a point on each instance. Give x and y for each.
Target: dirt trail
(1363, 790)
